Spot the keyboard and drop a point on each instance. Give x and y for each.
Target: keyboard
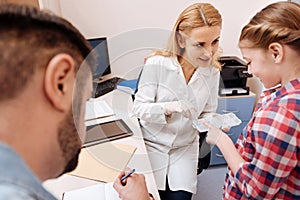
(106, 86)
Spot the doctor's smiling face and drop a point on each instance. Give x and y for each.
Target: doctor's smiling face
(195, 37)
(200, 45)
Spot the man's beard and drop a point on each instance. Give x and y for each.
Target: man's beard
(72, 164)
(69, 142)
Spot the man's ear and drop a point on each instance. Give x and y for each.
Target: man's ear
(59, 81)
(276, 51)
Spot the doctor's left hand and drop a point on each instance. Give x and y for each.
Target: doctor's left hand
(186, 108)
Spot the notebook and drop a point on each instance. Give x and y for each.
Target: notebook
(103, 162)
(94, 192)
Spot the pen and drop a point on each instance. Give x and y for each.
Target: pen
(127, 175)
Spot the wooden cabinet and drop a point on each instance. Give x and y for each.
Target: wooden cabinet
(242, 107)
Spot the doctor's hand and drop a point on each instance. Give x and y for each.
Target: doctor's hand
(184, 107)
(213, 134)
(134, 187)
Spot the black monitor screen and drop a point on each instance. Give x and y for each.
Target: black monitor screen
(103, 64)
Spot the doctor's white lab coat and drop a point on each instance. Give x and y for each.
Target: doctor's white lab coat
(172, 143)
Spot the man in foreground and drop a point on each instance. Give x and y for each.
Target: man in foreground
(42, 121)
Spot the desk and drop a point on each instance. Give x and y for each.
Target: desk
(121, 103)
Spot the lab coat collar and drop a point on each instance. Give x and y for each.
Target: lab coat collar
(206, 71)
(175, 65)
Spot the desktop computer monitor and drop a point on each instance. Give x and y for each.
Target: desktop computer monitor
(103, 63)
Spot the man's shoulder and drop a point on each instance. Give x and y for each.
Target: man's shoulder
(18, 181)
(9, 191)
(17, 192)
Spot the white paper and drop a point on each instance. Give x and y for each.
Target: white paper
(110, 192)
(97, 109)
(220, 121)
(94, 192)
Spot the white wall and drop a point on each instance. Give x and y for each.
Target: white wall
(52, 5)
(113, 17)
(124, 23)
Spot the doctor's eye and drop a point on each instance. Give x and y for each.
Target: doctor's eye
(215, 42)
(199, 44)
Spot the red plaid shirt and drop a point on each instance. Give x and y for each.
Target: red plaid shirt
(270, 146)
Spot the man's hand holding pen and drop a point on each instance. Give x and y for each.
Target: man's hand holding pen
(132, 186)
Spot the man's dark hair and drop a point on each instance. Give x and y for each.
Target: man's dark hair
(29, 39)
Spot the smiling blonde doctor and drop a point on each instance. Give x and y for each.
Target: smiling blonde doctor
(177, 85)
